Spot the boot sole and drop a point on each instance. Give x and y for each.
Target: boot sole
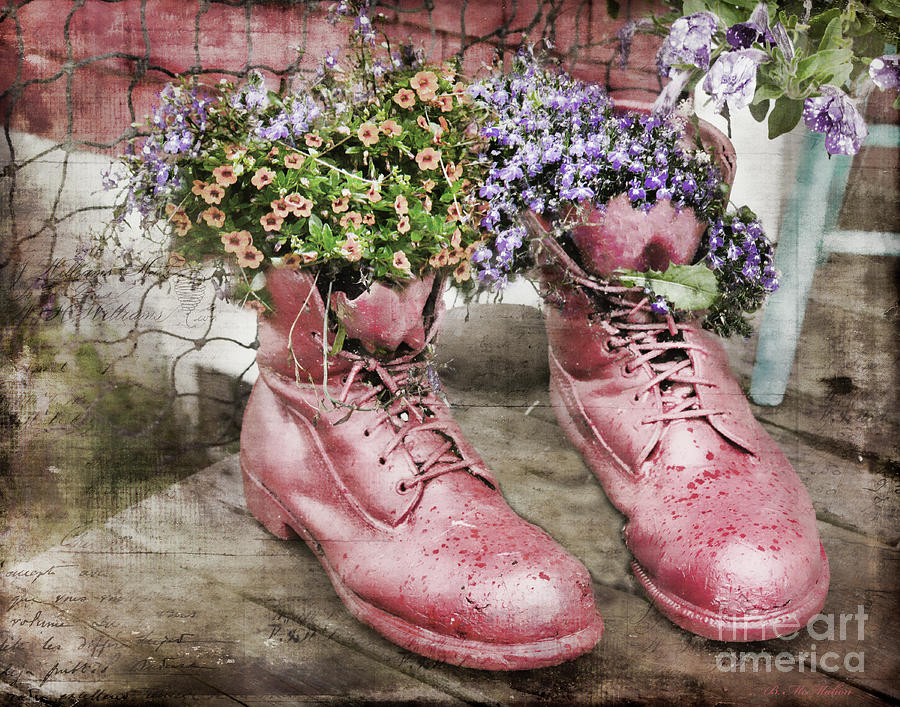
(703, 622)
(466, 653)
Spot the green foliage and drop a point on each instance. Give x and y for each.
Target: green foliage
(686, 287)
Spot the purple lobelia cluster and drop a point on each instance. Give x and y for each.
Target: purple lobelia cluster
(737, 250)
(555, 144)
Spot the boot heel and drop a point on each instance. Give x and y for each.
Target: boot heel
(266, 509)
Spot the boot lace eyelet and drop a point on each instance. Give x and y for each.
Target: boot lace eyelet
(366, 433)
(382, 461)
(403, 487)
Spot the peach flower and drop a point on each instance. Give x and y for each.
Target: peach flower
(429, 158)
(405, 98)
(368, 134)
(400, 261)
(213, 193)
(225, 175)
(293, 160)
(425, 83)
(235, 241)
(391, 128)
(250, 258)
(263, 177)
(214, 217)
(271, 221)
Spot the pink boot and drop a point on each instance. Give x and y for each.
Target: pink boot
(364, 462)
(722, 530)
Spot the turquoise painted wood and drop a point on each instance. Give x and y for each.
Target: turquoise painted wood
(808, 234)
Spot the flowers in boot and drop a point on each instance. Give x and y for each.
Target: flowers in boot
(364, 171)
(558, 148)
(798, 62)
(555, 142)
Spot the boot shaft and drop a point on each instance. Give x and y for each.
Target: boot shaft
(295, 339)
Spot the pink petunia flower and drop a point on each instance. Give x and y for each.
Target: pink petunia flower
(293, 160)
(213, 193)
(281, 207)
(236, 241)
(250, 258)
(463, 271)
(391, 128)
(405, 98)
(351, 249)
(445, 103)
(291, 261)
(299, 205)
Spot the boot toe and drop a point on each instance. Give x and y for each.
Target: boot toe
(737, 582)
(498, 603)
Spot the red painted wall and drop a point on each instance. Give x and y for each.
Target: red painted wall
(85, 71)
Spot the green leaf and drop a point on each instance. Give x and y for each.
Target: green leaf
(888, 7)
(765, 92)
(759, 110)
(687, 287)
(258, 282)
(315, 226)
(832, 38)
(692, 6)
(338, 339)
(784, 116)
(827, 65)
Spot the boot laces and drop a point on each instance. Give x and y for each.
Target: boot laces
(408, 412)
(660, 346)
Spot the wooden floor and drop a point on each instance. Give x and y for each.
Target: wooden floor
(185, 599)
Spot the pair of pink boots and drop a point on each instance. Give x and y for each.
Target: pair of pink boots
(362, 460)
(356, 454)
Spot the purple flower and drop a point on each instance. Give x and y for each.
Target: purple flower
(750, 271)
(834, 114)
(617, 159)
(885, 71)
(744, 34)
(636, 193)
(668, 97)
(579, 193)
(689, 42)
(732, 79)
(655, 179)
(783, 41)
(625, 36)
(510, 173)
(659, 305)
